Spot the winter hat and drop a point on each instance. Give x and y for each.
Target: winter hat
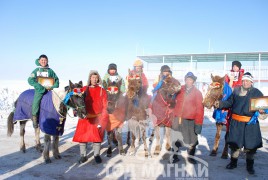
(190, 75)
(237, 63)
(165, 68)
(112, 66)
(247, 76)
(138, 62)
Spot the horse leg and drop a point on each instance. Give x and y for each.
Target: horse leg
(46, 148)
(157, 136)
(55, 147)
(22, 133)
(217, 140)
(110, 138)
(132, 145)
(38, 146)
(168, 143)
(143, 130)
(128, 138)
(118, 135)
(224, 154)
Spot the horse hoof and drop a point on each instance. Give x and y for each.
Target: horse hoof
(122, 152)
(23, 150)
(109, 155)
(47, 161)
(213, 153)
(39, 148)
(156, 153)
(57, 157)
(224, 156)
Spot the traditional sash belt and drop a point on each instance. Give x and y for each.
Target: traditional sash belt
(240, 118)
(93, 115)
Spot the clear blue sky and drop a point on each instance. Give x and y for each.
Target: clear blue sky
(78, 36)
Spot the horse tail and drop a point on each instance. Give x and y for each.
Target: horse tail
(10, 124)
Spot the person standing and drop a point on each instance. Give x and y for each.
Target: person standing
(189, 115)
(243, 133)
(92, 128)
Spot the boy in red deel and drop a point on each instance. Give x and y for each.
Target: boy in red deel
(91, 129)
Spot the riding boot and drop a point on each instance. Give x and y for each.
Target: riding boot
(83, 154)
(250, 163)
(232, 164)
(192, 153)
(35, 121)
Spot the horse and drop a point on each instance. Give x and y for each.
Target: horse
(52, 116)
(218, 90)
(163, 103)
(138, 102)
(117, 109)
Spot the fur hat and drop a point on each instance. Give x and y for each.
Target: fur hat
(165, 68)
(237, 63)
(93, 72)
(138, 62)
(112, 66)
(190, 75)
(248, 76)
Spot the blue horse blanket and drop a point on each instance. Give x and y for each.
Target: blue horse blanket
(50, 121)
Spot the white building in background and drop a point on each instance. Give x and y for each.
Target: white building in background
(202, 65)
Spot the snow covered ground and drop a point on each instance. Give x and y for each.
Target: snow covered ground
(16, 165)
(30, 165)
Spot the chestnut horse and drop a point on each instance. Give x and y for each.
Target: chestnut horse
(218, 90)
(53, 111)
(138, 102)
(117, 109)
(163, 104)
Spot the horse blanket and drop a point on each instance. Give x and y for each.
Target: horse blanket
(50, 121)
(162, 111)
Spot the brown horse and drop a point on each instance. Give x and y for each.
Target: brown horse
(117, 109)
(162, 107)
(52, 118)
(136, 114)
(215, 92)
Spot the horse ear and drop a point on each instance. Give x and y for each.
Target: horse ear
(66, 88)
(71, 85)
(129, 72)
(80, 83)
(212, 77)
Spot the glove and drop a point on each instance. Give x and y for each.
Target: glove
(197, 128)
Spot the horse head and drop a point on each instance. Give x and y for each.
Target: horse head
(75, 98)
(169, 89)
(113, 93)
(134, 85)
(215, 91)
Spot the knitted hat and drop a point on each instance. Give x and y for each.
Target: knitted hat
(112, 66)
(247, 76)
(165, 68)
(138, 62)
(190, 75)
(237, 63)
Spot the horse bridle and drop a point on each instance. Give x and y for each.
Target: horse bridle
(217, 85)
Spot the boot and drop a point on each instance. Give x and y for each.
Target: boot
(232, 164)
(98, 159)
(250, 163)
(175, 158)
(82, 159)
(35, 121)
(192, 153)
